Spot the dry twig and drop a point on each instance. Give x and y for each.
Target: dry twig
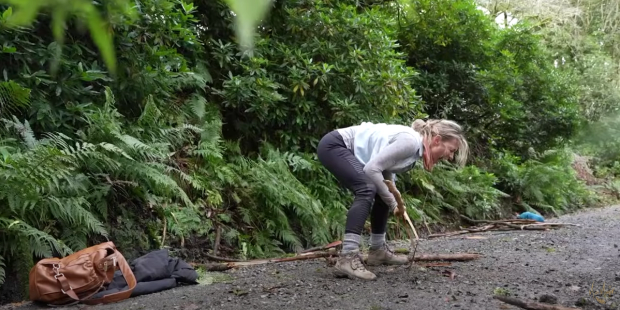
(503, 225)
(531, 305)
(227, 263)
(323, 247)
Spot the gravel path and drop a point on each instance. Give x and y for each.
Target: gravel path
(564, 263)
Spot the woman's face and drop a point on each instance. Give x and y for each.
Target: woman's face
(442, 149)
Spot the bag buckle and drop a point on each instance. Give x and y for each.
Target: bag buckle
(57, 272)
(56, 268)
(63, 291)
(105, 264)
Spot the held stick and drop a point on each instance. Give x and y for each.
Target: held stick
(401, 207)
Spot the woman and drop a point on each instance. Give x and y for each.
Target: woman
(361, 157)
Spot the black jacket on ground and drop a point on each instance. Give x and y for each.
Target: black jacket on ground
(154, 272)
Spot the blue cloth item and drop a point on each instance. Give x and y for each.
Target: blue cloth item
(531, 216)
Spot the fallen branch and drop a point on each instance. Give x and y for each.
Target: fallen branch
(429, 265)
(323, 247)
(531, 305)
(163, 234)
(218, 236)
(513, 221)
(221, 259)
(460, 257)
(235, 264)
(229, 264)
(503, 226)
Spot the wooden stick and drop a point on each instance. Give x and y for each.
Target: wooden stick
(323, 247)
(218, 236)
(462, 257)
(524, 221)
(427, 228)
(163, 235)
(516, 222)
(503, 226)
(221, 259)
(401, 206)
(235, 264)
(531, 305)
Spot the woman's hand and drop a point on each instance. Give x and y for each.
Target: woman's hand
(398, 212)
(398, 199)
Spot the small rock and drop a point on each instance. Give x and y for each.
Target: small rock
(403, 295)
(548, 298)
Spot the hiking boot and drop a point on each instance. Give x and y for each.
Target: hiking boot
(351, 266)
(385, 256)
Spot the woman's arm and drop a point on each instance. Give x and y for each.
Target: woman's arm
(403, 147)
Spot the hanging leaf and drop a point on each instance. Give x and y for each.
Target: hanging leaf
(248, 15)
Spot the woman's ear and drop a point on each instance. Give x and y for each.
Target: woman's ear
(436, 140)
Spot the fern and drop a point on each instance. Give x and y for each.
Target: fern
(2, 270)
(276, 203)
(545, 181)
(41, 243)
(13, 97)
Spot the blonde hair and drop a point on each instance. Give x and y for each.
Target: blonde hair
(446, 129)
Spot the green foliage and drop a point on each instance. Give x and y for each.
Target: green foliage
(601, 139)
(500, 83)
(2, 270)
(12, 98)
(469, 191)
(42, 175)
(196, 138)
(249, 13)
(24, 13)
(546, 181)
(330, 65)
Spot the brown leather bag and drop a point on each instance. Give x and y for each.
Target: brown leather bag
(79, 276)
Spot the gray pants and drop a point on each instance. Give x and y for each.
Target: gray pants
(343, 164)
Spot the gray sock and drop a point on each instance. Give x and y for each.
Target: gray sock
(351, 243)
(376, 241)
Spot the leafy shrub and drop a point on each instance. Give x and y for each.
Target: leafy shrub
(469, 191)
(546, 182)
(329, 65)
(500, 83)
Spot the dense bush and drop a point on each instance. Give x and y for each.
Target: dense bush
(501, 83)
(206, 146)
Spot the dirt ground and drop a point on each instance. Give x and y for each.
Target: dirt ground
(567, 263)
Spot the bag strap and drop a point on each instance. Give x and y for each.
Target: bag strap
(129, 278)
(63, 283)
(65, 287)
